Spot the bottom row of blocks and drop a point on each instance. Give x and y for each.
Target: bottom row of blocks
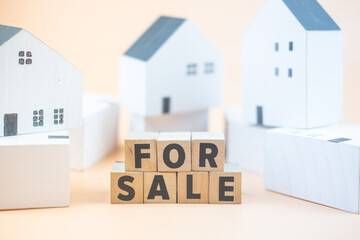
(170, 187)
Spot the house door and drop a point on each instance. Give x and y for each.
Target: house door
(166, 105)
(10, 124)
(259, 115)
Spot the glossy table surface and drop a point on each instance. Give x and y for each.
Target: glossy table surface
(262, 215)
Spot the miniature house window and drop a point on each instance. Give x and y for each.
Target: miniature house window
(58, 116)
(38, 118)
(291, 46)
(276, 47)
(209, 68)
(25, 59)
(276, 72)
(191, 69)
(290, 72)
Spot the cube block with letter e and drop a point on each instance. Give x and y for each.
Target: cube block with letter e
(159, 187)
(141, 151)
(208, 151)
(126, 187)
(225, 187)
(174, 151)
(193, 187)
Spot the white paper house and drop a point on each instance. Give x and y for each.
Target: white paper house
(39, 90)
(292, 66)
(172, 68)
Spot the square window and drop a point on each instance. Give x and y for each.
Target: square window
(291, 46)
(191, 69)
(290, 72)
(28, 61)
(276, 47)
(61, 121)
(41, 112)
(61, 110)
(56, 122)
(35, 118)
(21, 61)
(56, 116)
(21, 53)
(35, 112)
(276, 71)
(56, 110)
(41, 118)
(28, 54)
(61, 116)
(41, 123)
(35, 124)
(209, 68)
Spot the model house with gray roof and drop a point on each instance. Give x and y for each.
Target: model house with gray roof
(292, 66)
(171, 70)
(39, 90)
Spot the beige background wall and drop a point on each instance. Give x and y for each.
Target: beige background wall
(93, 34)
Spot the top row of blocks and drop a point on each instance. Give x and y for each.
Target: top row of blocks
(174, 151)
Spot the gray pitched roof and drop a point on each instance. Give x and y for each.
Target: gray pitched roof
(311, 15)
(147, 45)
(7, 32)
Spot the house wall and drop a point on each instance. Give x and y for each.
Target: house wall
(133, 84)
(282, 98)
(167, 73)
(49, 82)
(325, 77)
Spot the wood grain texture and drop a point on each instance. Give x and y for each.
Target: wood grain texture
(319, 165)
(148, 150)
(193, 187)
(164, 183)
(134, 181)
(207, 143)
(176, 148)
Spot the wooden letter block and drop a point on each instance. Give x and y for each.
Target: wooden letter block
(225, 187)
(126, 187)
(208, 151)
(173, 151)
(193, 187)
(159, 187)
(140, 151)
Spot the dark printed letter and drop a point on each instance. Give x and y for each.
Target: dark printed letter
(181, 153)
(131, 192)
(138, 155)
(210, 157)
